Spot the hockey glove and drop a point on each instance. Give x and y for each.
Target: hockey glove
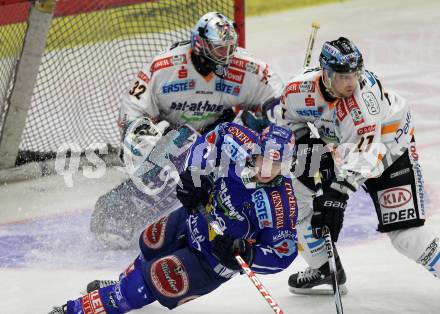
(191, 196)
(254, 123)
(224, 249)
(328, 210)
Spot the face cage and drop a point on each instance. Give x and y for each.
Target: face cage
(209, 48)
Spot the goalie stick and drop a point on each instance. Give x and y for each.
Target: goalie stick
(244, 266)
(330, 252)
(310, 45)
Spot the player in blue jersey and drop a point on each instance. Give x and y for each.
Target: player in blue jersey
(243, 180)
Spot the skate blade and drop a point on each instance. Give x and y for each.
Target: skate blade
(320, 290)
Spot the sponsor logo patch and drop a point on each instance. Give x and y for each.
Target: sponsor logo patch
(211, 137)
(366, 129)
(285, 248)
(167, 62)
(179, 86)
(92, 303)
(309, 101)
(282, 234)
(224, 201)
(169, 276)
(154, 235)
(399, 173)
(404, 129)
(371, 103)
(429, 252)
(224, 87)
(144, 77)
(299, 87)
(413, 152)
(355, 111)
(234, 76)
(242, 137)
(233, 149)
(291, 200)
(111, 300)
(245, 65)
(396, 204)
(279, 209)
(262, 207)
(307, 112)
(196, 106)
(341, 111)
(266, 76)
(183, 73)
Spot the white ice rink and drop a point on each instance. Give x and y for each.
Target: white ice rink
(48, 256)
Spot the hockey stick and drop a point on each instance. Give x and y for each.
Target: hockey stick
(330, 252)
(244, 266)
(315, 27)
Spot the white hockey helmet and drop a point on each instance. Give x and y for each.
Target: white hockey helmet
(214, 38)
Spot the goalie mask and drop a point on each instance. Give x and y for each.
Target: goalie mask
(215, 39)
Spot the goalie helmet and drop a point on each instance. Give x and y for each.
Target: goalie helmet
(215, 39)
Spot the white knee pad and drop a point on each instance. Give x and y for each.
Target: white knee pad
(419, 244)
(314, 251)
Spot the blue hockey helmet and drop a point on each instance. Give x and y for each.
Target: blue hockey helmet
(341, 56)
(277, 143)
(214, 38)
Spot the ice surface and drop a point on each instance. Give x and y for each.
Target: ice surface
(47, 254)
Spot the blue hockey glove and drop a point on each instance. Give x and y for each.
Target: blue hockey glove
(191, 196)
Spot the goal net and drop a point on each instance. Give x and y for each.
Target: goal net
(93, 50)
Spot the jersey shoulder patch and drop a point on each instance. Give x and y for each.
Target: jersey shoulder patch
(170, 58)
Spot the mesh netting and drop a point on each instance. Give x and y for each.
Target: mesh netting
(11, 43)
(90, 60)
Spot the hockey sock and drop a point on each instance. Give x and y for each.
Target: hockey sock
(131, 292)
(430, 259)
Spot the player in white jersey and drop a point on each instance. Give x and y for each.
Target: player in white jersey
(190, 86)
(369, 134)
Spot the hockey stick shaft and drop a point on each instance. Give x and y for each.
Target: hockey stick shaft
(244, 266)
(330, 252)
(310, 45)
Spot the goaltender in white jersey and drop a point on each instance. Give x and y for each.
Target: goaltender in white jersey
(196, 84)
(172, 89)
(374, 146)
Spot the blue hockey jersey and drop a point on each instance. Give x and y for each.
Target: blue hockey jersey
(264, 214)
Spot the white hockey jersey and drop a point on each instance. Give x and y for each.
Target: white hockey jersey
(170, 88)
(369, 127)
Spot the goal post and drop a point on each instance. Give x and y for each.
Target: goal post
(82, 64)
